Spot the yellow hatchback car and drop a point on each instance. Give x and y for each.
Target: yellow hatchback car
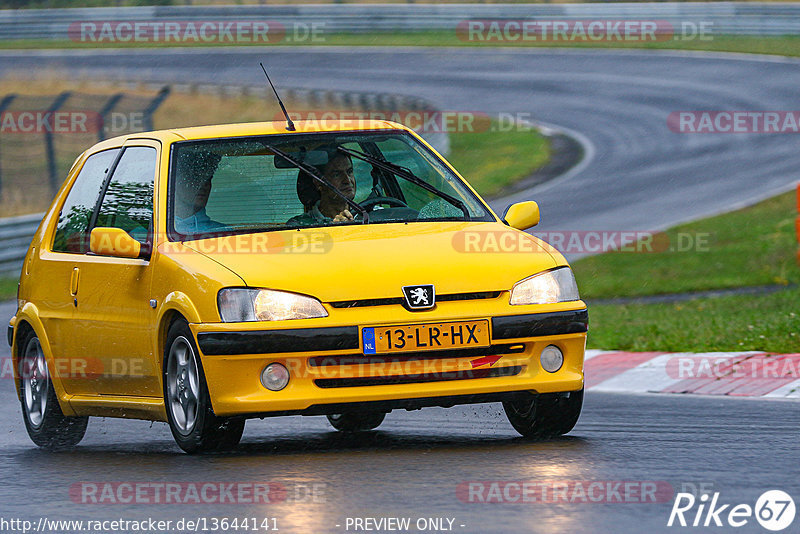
(204, 276)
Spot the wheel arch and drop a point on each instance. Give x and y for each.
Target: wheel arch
(28, 321)
(176, 306)
(21, 329)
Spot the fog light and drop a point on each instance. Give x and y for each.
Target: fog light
(274, 377)
(552, 359)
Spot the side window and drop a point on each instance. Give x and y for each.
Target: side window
(128, 202)
(73, 221)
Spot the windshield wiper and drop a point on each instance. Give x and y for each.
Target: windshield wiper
(402, 172)
(321, 179)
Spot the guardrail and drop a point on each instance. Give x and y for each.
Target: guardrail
(15, 236)
(724, 17)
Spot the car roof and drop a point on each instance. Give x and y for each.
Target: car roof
(253, 128)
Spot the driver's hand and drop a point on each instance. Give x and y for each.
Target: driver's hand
(343, 216)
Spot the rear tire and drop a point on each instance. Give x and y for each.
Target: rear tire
(192, 421)
(46, 424)
(545, 415)
(356, 422)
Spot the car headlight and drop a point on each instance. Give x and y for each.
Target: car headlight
(549, 287)
(240, 305)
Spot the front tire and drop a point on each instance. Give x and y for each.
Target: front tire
(546, 415)
(46, 424)
(356, 422)
(192, 421)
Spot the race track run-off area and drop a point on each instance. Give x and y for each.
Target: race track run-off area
(735, 374)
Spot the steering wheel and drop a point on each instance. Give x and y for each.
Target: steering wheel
(370, 203)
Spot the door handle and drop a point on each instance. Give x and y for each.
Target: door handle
(73, 281)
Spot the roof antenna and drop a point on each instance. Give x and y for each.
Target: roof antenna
(289, 123)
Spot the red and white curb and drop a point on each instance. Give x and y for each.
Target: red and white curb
(734, 374)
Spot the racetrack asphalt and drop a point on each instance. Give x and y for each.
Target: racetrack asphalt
(639, 176)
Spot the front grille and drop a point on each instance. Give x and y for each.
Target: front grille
(393, 301)
(361, 359)
(417, 379)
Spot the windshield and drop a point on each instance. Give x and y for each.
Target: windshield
(289, 181)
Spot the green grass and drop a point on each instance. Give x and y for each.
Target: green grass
(492, 160)
(768, 323)
(752, 246)
(781, 45)
(8, 288)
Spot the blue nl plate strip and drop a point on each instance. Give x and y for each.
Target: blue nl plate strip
(368, 336)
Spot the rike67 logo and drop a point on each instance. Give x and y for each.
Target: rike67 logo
(774, 510)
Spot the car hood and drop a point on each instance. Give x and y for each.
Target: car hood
(376, 261)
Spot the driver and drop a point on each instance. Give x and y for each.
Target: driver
(321, 204)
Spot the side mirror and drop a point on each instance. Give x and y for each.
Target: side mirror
(522, 215)
(114, 242)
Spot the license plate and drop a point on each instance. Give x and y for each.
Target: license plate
(419, 337)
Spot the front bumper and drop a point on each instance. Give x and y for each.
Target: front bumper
(330, 373)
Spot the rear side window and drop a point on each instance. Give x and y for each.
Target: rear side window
(73, 222)
(128, 202)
